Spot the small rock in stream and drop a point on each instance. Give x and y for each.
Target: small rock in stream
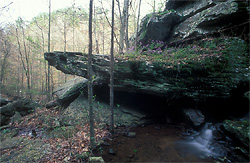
(157, 127)
(104, 143)
(131, 156)
(111, 151)
(33, 133)
(131, 134)
(96, 160)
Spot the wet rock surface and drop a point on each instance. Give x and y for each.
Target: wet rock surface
(194, 116)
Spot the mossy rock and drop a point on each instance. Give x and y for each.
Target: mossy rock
(8, 133)
(27, 150)
(240, 129)
(96, 160)
(61, 132)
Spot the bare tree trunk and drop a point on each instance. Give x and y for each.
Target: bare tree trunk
(103, 37)
(124, 22)
(48, 91)
(137, 26)
(65, 35)
(112, 74)
(25, 65)
(126, 31)
(6, 53)
(73, 25)
(95, 33)
(90, 82)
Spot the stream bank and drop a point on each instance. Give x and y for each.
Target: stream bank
(171, 143)
(152, 143)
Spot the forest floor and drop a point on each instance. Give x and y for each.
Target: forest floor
(38, 139)
(70, 144)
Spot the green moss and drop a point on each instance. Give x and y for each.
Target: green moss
(29, 150)
(240, 129)
(8, 133)
(62, 132)
(212, 54)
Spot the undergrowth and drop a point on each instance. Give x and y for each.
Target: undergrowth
(208, 52)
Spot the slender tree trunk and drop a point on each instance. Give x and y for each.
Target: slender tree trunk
(25, 66)
(124, 22)
(3, 62)
(103, 37)
(48, 91)
(27, 70)
(22, 86)
(18, 78)
(137, 26)
(90, 82)
(112, 73)
(73, 25)
(65, 35)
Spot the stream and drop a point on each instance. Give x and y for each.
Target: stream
(160, 143)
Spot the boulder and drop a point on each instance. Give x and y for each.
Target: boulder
(78, 113)
(28, 150)
(183, 20)
(3, 101)
(194, 116)
(212, 17)
(96, 160)
(239, 130)
(16, 118)
(23, 106)
(69, 91)
(158, 26)
(197, 80)
(7, 133)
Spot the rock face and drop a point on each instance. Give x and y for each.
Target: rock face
(191, 19)
(194, 80)
(3, 101)
(77, 113)
(194, 116)
(238, 129)
(23, 107)
(158, 27)
(238, 132)
(215, 86)
(69, 91)
(31, 151)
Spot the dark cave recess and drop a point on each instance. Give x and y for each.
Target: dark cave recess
(163, 109)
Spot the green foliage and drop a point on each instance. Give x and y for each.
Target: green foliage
(213, 54)
(161, 6)
(160, 13)
(6, 130)
(82, 156)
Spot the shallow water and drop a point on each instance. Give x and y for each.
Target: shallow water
(156, 144)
